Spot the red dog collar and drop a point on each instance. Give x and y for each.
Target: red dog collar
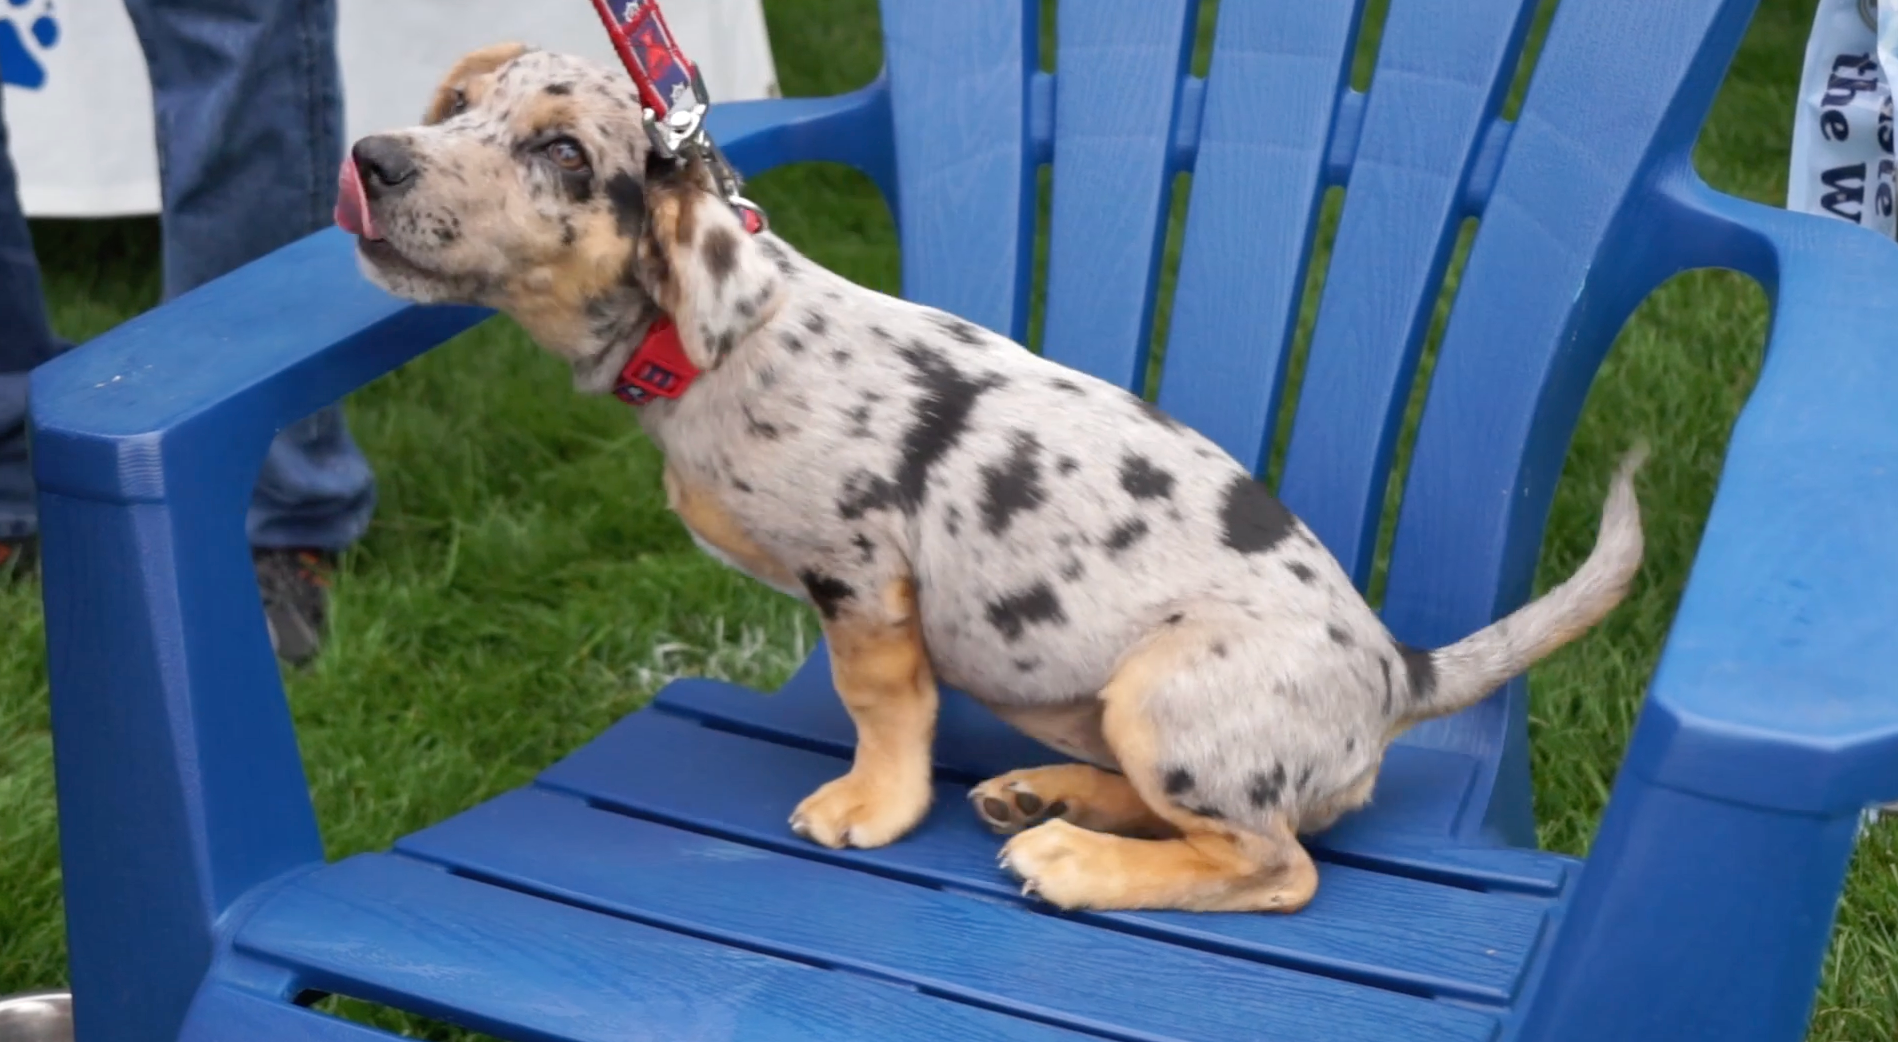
(658, 367)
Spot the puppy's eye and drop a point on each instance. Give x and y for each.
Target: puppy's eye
(458, 102)
(566, 154)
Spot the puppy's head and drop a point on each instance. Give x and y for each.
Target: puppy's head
(531, 187)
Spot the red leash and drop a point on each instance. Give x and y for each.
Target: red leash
(676, 104)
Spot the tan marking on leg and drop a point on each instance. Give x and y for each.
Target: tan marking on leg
(1211, 866)
(707, 518)
(884, 680)
(1077, 793)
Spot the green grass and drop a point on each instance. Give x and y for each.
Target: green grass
(523, 586)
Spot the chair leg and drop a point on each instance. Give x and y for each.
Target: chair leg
(1694, 918)
(178, 779)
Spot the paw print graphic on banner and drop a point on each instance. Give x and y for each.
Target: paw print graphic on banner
(28, 30)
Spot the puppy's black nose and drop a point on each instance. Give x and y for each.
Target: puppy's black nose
(386, 164)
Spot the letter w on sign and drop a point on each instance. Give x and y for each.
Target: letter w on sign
(1842, 133)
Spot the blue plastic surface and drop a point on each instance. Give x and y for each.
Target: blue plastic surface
(646, 886)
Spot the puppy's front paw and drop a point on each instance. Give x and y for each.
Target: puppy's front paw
(1051, 861)
(857, 811)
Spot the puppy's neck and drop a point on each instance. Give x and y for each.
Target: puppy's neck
(598, 363)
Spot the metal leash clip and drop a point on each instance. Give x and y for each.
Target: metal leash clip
(674, 95)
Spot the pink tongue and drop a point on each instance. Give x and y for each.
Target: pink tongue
(352, 203)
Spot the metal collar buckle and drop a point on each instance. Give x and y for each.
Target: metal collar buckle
(674, 95)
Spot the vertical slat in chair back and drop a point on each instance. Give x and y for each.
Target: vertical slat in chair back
(1557, 262)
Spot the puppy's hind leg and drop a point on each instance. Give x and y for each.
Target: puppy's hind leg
(1213, 865)
(1077, 793)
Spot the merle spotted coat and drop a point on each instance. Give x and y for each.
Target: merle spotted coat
(959, 510)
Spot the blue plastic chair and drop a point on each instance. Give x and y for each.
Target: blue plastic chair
(648, 887)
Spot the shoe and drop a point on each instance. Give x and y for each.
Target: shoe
(295, 585)
(18, 559)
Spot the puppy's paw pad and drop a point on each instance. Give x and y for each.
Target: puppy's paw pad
(1009, 804)
(855, 812)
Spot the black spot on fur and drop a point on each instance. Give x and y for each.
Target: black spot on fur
(882, 334)
(560, 90)
(939, 418)
(828, 593)
(1219, 649)
(952, 520)
(816, 323)
(1027, 665)
(629, 204)
(1264, 789)
(1158, 415)
(1177, 780)
(1073, 569)
(862, 493)
(957, 328)
(1385, 665)
(1304, 778)
(1338, 634)
(860, 422)
(1143, 480)
(1126, 534)
(1254, 519)
(720, 248)
(866, 550)
(1205, 811)
(721, 344)
(1062, 383)
(1176, 618)
(1067, 465)
(741, 484)
(1301, 571)
(791, 342)
(1013, 614)
(778, 256)
(1423, 672)
(840, 358)
(578, 184)
(1012, 485)
(1350, 746)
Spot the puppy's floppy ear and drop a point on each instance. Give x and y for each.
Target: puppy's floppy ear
(701, 265)
(468, 80)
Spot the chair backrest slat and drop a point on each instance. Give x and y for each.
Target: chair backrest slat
(1569, 242)
(1438, 84)
(1567, 249)
(959, 80)
(1119, 66)
(1279, 73)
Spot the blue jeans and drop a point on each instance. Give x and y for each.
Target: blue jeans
(249, 115)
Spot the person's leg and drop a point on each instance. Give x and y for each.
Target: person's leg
(26, 340)
(248, 99)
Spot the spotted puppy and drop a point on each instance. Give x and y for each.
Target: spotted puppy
(958, 509)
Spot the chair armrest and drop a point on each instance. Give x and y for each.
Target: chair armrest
(1778, 686)
(853, 129)
(219, 370)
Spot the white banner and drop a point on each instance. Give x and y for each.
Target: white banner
(78, 105)
(1842, 133)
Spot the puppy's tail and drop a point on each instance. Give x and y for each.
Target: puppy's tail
(1462, 674)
